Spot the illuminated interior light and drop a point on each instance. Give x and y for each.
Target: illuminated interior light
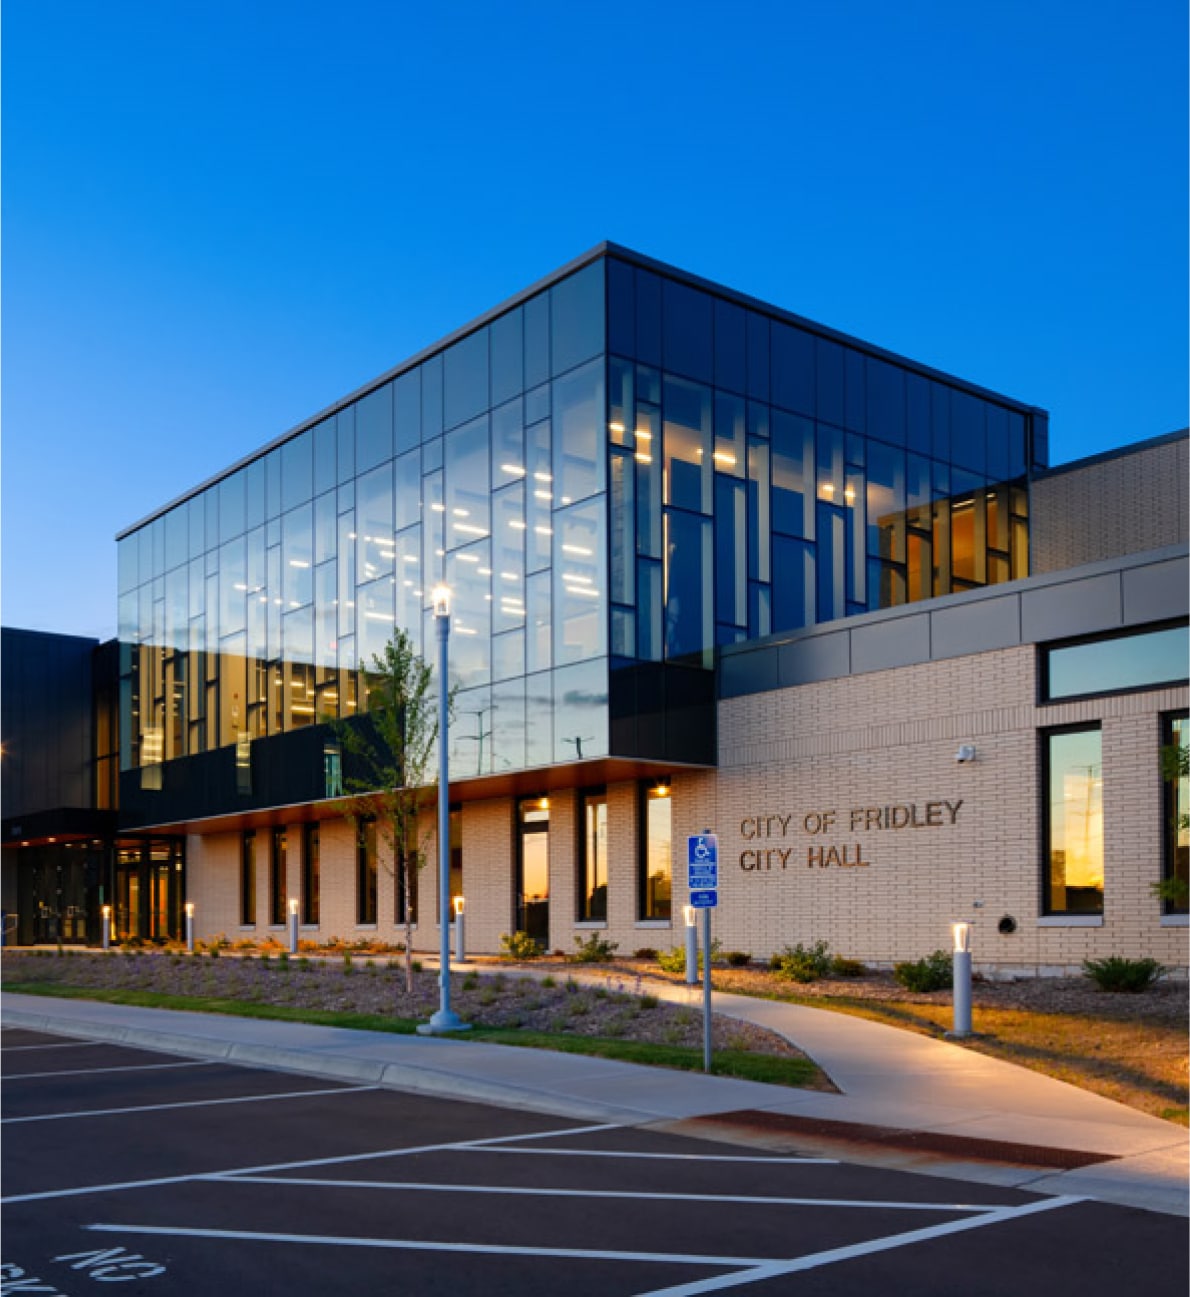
(542, 476)
(517, 525)
(239, 585)
(583, 590)
(470, 529)
(827, 488)
(298, 562)
(465, 630)
(724, 457)
(461, 513)
(438, 508)
(514, 470)
(577, 549)
(616, 426)
(467, 558)
(378, 616)
(509, 576)
(543, 495)
(410, 558)
(351, 535)
(644, 459)
(544, 531)
(849, 494)
(643, 434)
(576, 577)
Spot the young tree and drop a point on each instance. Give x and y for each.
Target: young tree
(389, 777)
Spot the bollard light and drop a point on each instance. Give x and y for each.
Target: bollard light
(460, 942)
(293, 925)
(189, 907)
(690, 915)
(107, 927)
(962, 980)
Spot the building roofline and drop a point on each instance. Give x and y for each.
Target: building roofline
(600, 250)
(1117, 452)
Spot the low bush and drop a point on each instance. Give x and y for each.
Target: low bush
(1115, 973)
(519, 945)
(674, 959)
(737, 958)
(933, 973)
(645, 952)
(841, 967)
(803, 963)
(594, 950)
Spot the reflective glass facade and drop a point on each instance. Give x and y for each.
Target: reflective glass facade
(615, 474)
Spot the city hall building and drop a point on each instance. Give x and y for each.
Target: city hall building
(712, 567)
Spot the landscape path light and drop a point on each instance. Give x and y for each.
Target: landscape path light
(190, 927)
(107, 927)
(293, 925)
(690, 915)
(460, 942)
(962, 980)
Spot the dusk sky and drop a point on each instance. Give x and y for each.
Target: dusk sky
(220, 217)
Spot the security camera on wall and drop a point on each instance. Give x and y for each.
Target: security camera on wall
(965, 753)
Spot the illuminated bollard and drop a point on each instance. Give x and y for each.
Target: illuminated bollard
(293, 926)
(962, 980)
(107, 927)
(460, 942)
(690, 914)
(190, 927)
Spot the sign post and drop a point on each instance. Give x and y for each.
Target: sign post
(702, 877)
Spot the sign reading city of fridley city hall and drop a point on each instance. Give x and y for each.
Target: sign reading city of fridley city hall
(830, 837)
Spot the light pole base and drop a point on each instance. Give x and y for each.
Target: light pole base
(442, 1024)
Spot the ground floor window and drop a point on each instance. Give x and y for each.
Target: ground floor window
(592, 857)
(1073, 821)
(656, 852)
(311, 871)
(278, 889)
(365, 886)
(533, 870)
(248, 878)
(1176, 772)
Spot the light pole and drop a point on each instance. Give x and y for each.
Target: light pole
(445, 1019)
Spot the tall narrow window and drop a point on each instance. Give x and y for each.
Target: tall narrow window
(277, 881)
(592, 887)
(1176, 865)
(1073, 881)
(311, 870)
(248, 878)
(656, 853)
(365, 886)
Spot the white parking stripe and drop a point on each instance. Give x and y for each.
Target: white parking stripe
(70, 1044)
(775, 1269)
(757, 1200)
(424, 1245)
(407, 1151)
(99, 1071)
(197, 1103)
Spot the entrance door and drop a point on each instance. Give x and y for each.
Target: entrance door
(533, 870)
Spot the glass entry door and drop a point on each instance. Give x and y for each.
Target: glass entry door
(533, 870)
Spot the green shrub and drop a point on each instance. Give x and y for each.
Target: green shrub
(737, 958)
(595, 950)
(933, 973)
(645, 952)
(1115, 973)
(803, 963)
(519, 945)
(841, 967)
(674, 960)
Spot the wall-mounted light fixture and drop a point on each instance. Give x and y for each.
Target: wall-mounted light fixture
(965, 754)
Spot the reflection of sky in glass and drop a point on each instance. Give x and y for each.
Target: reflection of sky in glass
(1128, 662)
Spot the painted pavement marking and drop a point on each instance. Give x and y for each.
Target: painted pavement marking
(99, 1071)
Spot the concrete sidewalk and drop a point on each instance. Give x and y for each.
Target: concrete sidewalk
(905, 1100)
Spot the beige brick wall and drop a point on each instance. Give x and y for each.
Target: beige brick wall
(790, 759)
(1125, 505)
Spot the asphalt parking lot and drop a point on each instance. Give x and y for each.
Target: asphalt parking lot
(178, 1177)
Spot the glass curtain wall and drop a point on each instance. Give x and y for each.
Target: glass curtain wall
(765, 478)
(252, 608)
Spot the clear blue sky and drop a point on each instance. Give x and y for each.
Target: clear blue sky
(219, 216)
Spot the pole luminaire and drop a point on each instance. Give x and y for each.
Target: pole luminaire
(445, 1019)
